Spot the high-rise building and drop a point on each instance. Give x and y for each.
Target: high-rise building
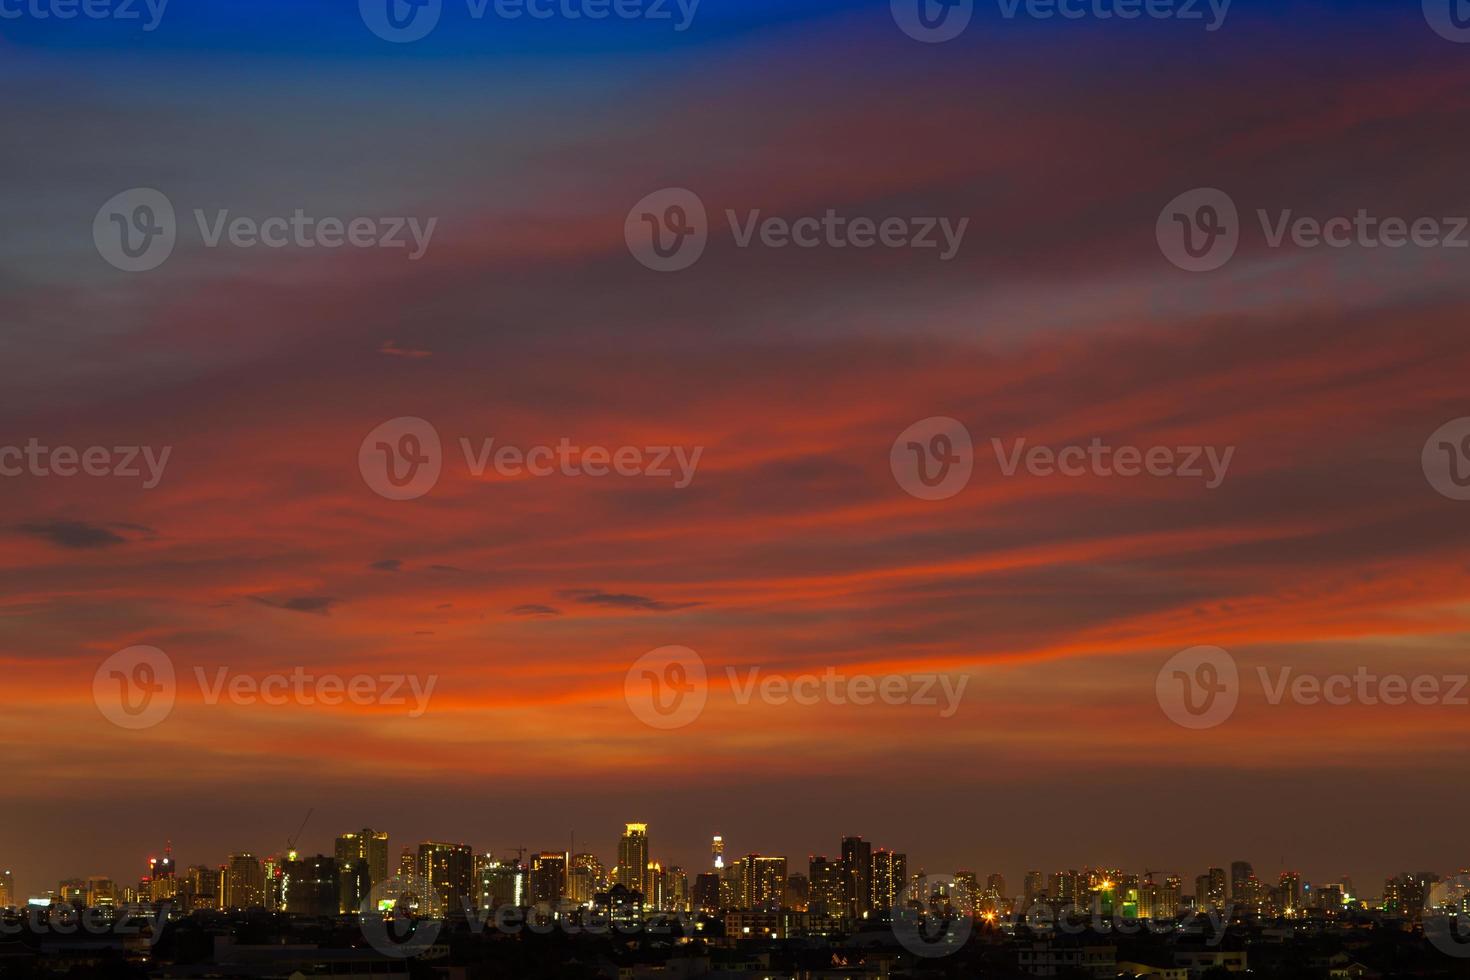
(706, 897)
(632, 870)
(408, 886)
(311, 885)
(1067, 887)
(764, 882)
(201, 887)
(732, 887)
(1405, 896)
(244, 882)
(101, 892)
(676, 889)
(1210, 890)
(857, 876)
(1291, 892)
(1244, 888)
(502, 884)
(585, 878)
(548, 878)
(965, 895)
(1032, 888)
(828, 890)
(362, 858)
(163, 882)
(7, 889)
(447, 873)
(717, 852)
(888, 880)
(1172, 897)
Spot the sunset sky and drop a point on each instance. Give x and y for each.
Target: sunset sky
(794, 550)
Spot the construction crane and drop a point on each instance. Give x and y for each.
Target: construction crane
(1149, 875)
(291, 841)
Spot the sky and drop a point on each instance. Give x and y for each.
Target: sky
(794, 548)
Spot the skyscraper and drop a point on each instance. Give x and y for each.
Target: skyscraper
(1244, 888)
(7, 889)
(828, 895)
(585, 878)
(764, 881)
(447, 873)
(857, 876)
(363, 860)
(548, 878)
(706, 897)
(244, 882)
(888, 880)
(502, 884)
(1291, 891)
(632, 871)
(1032, 888)
(311, 885)
(717, 852)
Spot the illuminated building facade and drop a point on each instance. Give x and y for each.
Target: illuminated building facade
(857, 876)
(632, 870)
(447, 875)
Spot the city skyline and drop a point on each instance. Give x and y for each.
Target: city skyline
(524, 857)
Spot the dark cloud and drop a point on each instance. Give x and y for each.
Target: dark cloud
(386, 565)
(618, 600)
(74, 534)
(534, 609)
(317, 605)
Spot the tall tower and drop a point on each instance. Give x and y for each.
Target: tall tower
(717, 852)
(857, 874)
(632, 871)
